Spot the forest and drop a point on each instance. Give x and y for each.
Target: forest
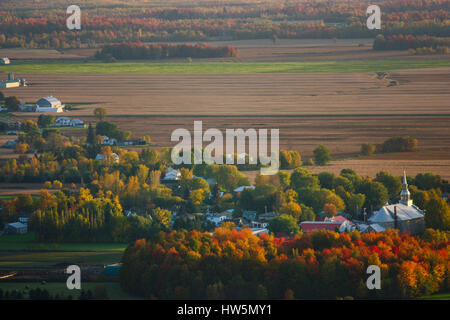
(232, 264)
(45, 27)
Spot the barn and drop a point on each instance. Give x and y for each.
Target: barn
(49, 104)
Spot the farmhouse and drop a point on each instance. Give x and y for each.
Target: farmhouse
(172, 174)
(49, 104)
(16, 228)
(62, 122)
(109, 141)
(404, 215)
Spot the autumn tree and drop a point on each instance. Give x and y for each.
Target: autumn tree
(100, 113)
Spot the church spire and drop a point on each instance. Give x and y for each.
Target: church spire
(405, 196)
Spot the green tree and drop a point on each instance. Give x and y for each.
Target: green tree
(321, 155)
(303, 178)
(12, 104)
(376, 194)
(426, 181)
(437, 214)
(284, 224)
(90, 135)
(326, 179)
(392, 184)
(46, 120)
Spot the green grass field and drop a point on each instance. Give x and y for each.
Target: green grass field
(113, 289)
(33, 259)
(220, 67)
(26, 243)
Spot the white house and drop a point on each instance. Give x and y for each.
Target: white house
(109, 141)
(49, 104)
(172, 174)
(259, 224)
(77, 123)
(114, 157)
(217, 219)
(4, 61)
(62, 122)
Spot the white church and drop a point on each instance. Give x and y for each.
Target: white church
(404, 215)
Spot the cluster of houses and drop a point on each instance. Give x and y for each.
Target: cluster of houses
(404, 216)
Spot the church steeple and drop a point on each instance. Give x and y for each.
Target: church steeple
(405, 196)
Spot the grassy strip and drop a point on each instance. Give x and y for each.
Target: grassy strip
(220, 67)
(35, 259)
(26, 243)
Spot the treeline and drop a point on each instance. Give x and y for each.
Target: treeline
(320, 265)
(405, 42)
(394, 144)
(300, 20)
(138, 51)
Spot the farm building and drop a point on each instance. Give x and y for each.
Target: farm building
(404, 215)
(4, 61)
(12, 82)
(337, 223)
(49, 104)
(16, 228)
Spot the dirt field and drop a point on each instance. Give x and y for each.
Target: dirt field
(371, 166)
(425, 91)
(261, 50)
(340, 110)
